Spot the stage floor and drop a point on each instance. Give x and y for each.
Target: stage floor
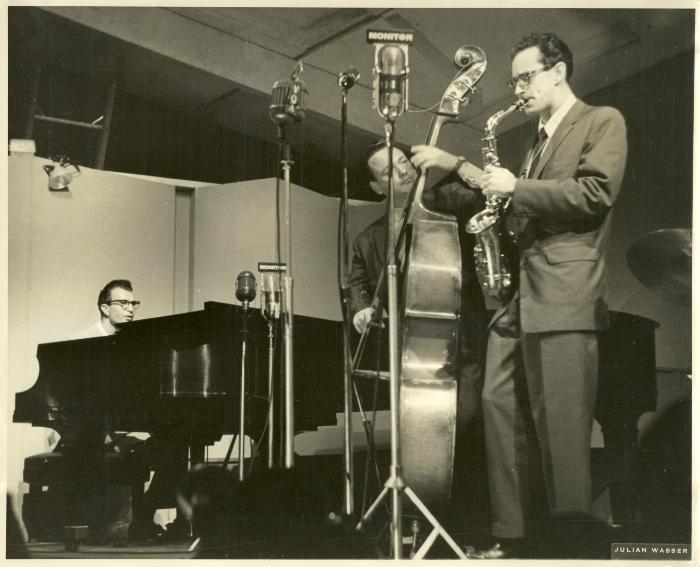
(133, 551)
(297, 515)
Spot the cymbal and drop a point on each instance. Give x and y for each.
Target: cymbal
(661, 261)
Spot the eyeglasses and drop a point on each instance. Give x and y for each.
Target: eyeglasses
(523, 80)
(124, 303)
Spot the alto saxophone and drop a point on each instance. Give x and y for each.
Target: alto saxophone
(495, 251)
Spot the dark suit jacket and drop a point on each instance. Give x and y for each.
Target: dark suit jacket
(367, 264)
(449, 196)
(564, 216)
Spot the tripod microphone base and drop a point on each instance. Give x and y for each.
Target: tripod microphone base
(395, 482)
(438, 530)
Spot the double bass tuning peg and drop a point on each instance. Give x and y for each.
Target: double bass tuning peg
(472, 91)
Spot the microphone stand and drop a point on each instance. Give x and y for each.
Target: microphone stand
(241, 419)
(270, 313)
(343, 276)
(246, 293)
(395, 484)
(346, 81)
(271, 394)
(288, 305)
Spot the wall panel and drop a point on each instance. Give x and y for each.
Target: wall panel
(235, 228)
(62, 248)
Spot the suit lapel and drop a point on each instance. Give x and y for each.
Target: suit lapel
(528, 157)
(560, 133)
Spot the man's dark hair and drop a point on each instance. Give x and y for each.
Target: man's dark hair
(377, 145)
(106, 293)
(553, 50)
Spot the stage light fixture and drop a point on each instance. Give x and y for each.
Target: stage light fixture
(61, 173)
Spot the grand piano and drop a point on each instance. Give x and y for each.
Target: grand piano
(180, 368)
(178, 373)
(163, 372)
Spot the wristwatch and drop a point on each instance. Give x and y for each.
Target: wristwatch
(460, 161)
(468, 179)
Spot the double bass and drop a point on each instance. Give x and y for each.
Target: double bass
(430, 310)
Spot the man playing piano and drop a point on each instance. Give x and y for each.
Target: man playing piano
(106, 509)
(116, 305)
(164, 451)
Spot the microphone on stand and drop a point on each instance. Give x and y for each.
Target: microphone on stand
(392, 82)
(245, 288)
(288, 98)
(271, 296)
(390, 71)
(245, 293)
(348, 78)
(271, 309)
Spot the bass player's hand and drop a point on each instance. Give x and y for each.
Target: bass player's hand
(363, 318)
(426, 157)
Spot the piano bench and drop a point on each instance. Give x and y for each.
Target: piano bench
(42, 509)
(47, 469)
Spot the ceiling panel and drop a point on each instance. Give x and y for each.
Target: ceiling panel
(608, 45)
(288, 31)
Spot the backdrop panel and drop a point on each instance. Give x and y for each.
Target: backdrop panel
(62, 248)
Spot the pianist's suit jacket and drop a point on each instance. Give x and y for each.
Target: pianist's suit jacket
(563, 213)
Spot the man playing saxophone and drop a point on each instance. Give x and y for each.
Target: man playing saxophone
(542, 355)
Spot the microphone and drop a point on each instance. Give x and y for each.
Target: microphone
(288, 98)
(245, 288)
(348, 78)
(392, 82)
(271, 296)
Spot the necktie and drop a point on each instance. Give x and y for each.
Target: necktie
(537, 151)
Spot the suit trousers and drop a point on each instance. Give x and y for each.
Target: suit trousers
(538, 402)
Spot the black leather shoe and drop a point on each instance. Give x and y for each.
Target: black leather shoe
(146, 532)
(514, 549)
(178, 530)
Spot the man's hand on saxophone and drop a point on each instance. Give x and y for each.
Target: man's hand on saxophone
(498, 182)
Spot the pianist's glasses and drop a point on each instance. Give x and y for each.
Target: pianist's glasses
(124, 303)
